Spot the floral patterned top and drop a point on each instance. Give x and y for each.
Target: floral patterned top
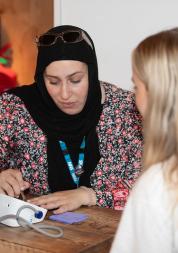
(23, 145)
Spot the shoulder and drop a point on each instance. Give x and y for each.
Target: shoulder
(6, 97)
(148, 209)
(151, 186)
(119, 105)
(10, 103)
(116, 97)
(150, 178)
(115, 90)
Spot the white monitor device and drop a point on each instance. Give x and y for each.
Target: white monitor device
(10, 206)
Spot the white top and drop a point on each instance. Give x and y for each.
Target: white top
(148, 224)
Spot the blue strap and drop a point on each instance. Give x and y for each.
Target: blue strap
(69, 162)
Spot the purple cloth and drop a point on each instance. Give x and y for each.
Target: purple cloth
(69, 217)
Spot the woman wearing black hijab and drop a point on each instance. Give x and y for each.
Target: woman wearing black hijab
(69, 137)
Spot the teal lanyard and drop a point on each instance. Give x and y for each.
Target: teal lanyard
(75, 172)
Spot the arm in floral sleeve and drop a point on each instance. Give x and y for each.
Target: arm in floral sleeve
(4, 134)
(121, 151)
(11, 181)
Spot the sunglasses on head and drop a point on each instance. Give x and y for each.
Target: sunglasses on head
(69, 36)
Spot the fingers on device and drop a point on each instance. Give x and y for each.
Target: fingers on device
(10, 206)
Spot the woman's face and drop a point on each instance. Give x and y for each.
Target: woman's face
(67, 84)
(141, 94)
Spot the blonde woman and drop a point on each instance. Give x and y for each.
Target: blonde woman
(150, 221)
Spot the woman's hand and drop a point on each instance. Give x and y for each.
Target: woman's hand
(12, 183)
(66, 200)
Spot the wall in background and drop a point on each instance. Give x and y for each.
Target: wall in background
(21, 22)
(116, 27)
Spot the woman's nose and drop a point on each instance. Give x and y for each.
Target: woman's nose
(65, 91)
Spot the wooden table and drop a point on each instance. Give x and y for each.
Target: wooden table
(91, 236)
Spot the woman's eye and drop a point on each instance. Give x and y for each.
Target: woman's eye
(52, 82)
(75, 81)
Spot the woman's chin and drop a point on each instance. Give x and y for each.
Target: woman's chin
(70, 111)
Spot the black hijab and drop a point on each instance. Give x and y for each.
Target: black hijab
(58, 125)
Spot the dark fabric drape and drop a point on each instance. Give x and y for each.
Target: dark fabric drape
(58, 125)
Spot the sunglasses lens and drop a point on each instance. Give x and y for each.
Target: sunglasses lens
(71, 37)
(67, 37)
(46, 39)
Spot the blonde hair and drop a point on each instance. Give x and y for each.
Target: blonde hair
(155, 61)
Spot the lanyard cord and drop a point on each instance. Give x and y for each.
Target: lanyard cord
(75, 172)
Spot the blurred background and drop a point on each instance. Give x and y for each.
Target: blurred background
(116, 26)
(20, 22)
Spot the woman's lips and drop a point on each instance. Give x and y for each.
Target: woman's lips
(68, 105)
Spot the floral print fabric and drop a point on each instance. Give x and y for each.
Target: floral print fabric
(23, 146)
(120, 142)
